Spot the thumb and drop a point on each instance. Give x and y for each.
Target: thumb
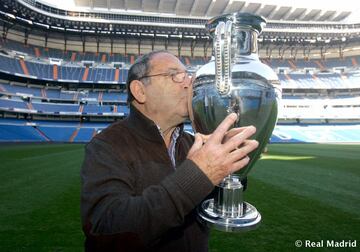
(198, 143)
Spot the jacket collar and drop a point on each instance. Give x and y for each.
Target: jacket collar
(144, 126)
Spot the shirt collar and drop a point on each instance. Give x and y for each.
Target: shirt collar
(172, 146)
(146, 127)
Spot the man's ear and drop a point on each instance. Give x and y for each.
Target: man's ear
(137, 89)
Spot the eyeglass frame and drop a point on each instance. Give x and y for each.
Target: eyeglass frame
(186, 72)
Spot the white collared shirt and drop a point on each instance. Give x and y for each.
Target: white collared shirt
(171, 150)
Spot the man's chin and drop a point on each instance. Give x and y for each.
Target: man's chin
(184, 117)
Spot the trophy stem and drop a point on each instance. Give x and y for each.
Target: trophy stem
(228, 202)
(227, 211)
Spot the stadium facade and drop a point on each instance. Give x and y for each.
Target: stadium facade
(63, 72)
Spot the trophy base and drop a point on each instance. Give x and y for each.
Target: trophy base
(250, 220)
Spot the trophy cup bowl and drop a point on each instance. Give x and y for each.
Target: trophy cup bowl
(234, 80)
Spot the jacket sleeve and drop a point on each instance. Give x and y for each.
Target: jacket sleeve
(110, 207)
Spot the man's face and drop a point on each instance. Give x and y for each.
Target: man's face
(167, 94)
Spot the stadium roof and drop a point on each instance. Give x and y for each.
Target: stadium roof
(284, 10)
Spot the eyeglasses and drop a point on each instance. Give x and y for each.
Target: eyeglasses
(177, 77)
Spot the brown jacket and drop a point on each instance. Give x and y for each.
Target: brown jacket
(133, 199)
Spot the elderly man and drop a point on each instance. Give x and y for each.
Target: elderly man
(143, 177)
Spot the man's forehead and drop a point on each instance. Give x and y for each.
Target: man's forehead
(166, 61)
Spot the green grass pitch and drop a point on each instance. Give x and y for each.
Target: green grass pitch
(303, 191)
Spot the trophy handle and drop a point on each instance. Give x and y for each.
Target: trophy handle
(222, 53)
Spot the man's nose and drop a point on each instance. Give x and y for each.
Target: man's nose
(189, 79)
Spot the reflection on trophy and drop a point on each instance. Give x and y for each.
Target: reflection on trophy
(235, 81)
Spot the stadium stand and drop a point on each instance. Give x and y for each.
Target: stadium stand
(18, 130)
(15, 133)
(63, 81)
(346, 62)
(316, 134)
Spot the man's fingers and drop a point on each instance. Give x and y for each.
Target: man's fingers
(232, 132)
(239, 153)
(238, 139)
(224, 126)
(239, 164)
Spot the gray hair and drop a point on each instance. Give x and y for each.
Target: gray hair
(139, 69)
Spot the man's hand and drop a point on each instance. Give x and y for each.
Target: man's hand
(223, 152)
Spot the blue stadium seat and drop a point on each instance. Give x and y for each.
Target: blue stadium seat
(12, 104)
(20, 133)
(55, 108)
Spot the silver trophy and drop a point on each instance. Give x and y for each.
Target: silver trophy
(235, 80)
